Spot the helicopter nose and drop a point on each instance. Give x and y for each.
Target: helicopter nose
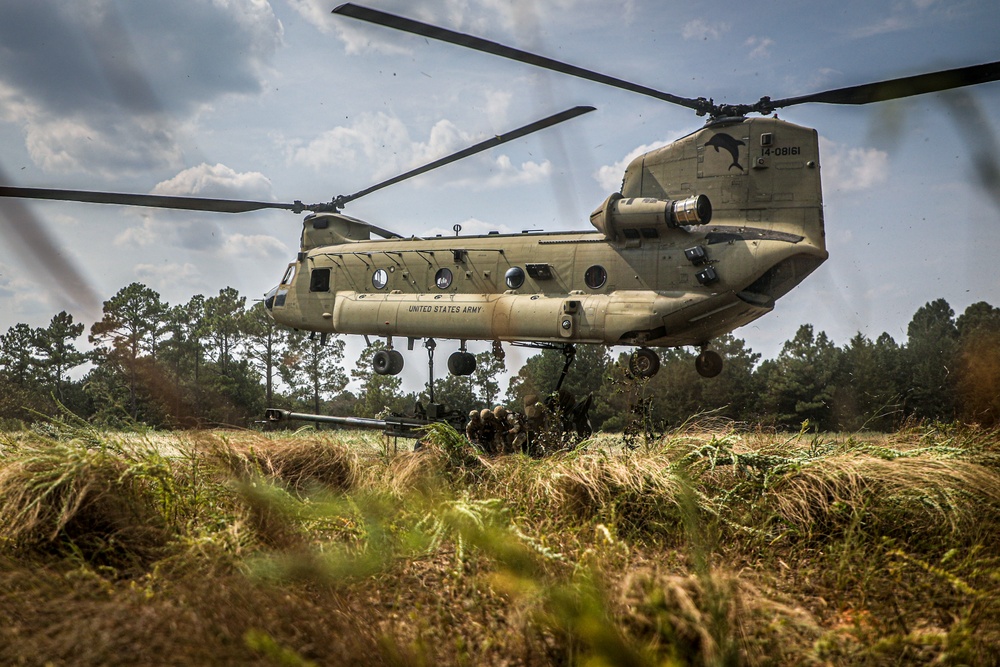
(269, 298)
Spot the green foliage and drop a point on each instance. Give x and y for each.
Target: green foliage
(456, 392)
(379, 393)
(799, 384)
(313, 368)
(215, 361)
(931, 347)
(978, 370)
(486, 378)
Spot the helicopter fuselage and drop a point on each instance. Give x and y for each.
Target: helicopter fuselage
(705, 235)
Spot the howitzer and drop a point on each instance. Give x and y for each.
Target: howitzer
(397, 427)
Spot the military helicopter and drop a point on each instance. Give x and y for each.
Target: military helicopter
(704, 236)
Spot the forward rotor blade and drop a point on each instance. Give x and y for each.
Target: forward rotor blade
(477, 43)
(472, 150)
(906, 86)
(245, 206)
(153, 201)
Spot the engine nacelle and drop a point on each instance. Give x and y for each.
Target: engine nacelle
(323, 229)
(636, 218)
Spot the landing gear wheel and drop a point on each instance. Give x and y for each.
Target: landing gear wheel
(396, 365)
(644, 363)
(708, 364)
(387, 362)
(462, 363)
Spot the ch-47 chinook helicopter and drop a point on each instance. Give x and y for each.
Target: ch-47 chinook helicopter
(704, 236)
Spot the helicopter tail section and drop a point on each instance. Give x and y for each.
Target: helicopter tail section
(758, 172)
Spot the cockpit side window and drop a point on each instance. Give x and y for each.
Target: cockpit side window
(289, 275)
(319, 280)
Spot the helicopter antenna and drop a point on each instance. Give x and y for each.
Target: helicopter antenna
(878, 91)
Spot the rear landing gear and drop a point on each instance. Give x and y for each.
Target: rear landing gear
(462, 362)
(708, 364)
(644, 363)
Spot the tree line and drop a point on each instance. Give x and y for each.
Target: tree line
(947, 369)
(217, 360)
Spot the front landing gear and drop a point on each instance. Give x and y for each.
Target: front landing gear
(387, 362)
(708, 364)
(644, 363)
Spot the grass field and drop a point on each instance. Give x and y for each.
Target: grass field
(709, 546)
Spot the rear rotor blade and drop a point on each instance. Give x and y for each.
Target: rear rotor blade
(477, 43)
(155, 201)
(906, 86)
(472, 150)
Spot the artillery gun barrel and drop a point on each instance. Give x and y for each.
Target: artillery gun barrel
(405, 427)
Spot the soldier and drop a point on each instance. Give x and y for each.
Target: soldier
(534, 420)
(500, 437)
(517, 433)
(489, 431)
(473, 430)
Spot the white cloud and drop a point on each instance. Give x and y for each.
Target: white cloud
(849, 169)
(23, 296)
(195, 230)
(381, 144)
(158, 276)
(103, 87)
(886, 25)
(501, 172)
(519, 19)
(253, 246)
(703, 30)
(497, 106)
(80, 143)
(370, 143)
(218, 181)
(760, 47)
(145, 234)
(610, 176)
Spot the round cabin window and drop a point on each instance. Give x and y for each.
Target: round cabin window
(595, 276)
(514, 277)
(442, 279)
(380, 279)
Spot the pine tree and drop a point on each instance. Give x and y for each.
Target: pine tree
(57, 353)
(18, 355)
(312, 369)
(486, 377)
(266, 343)
(799, 384)
(378, 393)
(133, 321)
(930, 357)
(978, 371)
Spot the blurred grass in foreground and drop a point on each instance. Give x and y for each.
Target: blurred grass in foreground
(710, 546)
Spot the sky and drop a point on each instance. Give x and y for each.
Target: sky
(282, 100)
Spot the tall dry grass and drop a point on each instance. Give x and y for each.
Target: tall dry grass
(712, 545)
